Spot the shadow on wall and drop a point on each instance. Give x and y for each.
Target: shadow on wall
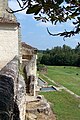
(8, 106)
(6, 97)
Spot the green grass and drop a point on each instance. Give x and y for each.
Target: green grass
(64, 105)
(44, 78)
(66, 76)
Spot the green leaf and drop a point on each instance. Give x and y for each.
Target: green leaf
(37, 18)
(59, 1)
(67, 1)
(78, 18)
(34, 9)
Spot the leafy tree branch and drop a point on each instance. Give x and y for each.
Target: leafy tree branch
(54, 11)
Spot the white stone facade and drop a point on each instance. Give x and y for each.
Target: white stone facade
(8, 42)
(4, 13)
(31, 70)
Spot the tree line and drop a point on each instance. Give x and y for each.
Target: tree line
(60, 56)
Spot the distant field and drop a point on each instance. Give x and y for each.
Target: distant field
(64, 105)
(66, 76)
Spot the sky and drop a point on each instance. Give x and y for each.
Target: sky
(35, 33)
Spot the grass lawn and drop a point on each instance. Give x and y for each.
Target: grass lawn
(64, 105)
(44, 78)
(66, 76)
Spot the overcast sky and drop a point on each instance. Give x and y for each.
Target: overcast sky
(34, 32)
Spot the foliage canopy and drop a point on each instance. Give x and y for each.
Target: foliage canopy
(61, 56)
(54, 11)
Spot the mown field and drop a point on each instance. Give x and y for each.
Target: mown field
(64, 105)
(66, 76)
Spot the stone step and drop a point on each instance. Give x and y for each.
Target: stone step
(32, 116)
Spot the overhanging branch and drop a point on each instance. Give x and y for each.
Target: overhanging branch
(66, 33)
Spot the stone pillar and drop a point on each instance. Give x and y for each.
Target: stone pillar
(3, 7)
(3, 4)
(19, 46)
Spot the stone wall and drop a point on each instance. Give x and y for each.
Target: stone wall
(8, 43)
(21, 97)
(31, 82)
(8, 91)
(4, 13)
(31, 67)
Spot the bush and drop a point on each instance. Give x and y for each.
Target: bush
(41, 67)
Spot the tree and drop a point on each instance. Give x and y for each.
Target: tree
(45, 59)
(78, 61)
(54, 11)
(61, 56)
(77, 49)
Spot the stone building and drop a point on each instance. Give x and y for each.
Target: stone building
(11, 46)
(29, 57)
(14, 97)
(9, 34)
